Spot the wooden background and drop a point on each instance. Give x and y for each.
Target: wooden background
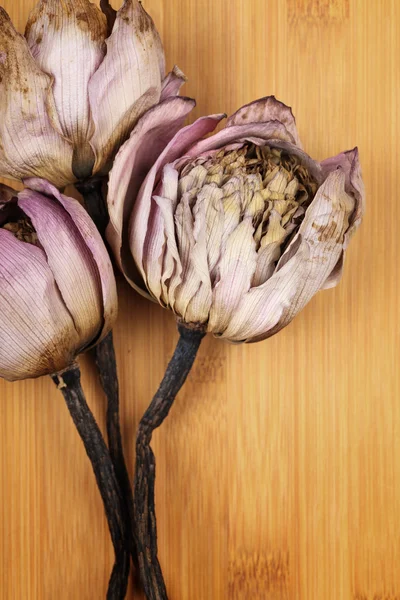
(279, 467)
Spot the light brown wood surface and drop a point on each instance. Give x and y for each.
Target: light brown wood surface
(278, 470)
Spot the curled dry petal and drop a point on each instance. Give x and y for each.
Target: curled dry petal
(29, 141)
(128, 81)
(350, 163)
(148, 139)
(172, 83)
(67, 41)
(264, 110)
(37, 333)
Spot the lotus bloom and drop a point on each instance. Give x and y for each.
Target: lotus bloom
(237, 231)
(69, 96)
(57, 287)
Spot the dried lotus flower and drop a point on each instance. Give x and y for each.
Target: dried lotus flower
(58, 298)
(58, 292)
(72, 89)
(234, 233)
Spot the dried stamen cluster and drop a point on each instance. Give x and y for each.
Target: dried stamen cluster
(266, 184)
(23, 230)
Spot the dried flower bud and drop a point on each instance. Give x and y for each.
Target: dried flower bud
(57, 288)
(69, 96)
(235, 232)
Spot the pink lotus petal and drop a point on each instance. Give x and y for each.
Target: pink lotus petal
(266, 261)
(161, 257)
(37, 334)
(152, 133)
(172, 265)
(67, 41)
(236, 269)
(70, 260)
(30, 144)
(262, 309)
(133, 67)
(336, 275)
(264, 110)
(273, 130)
(172, 83)
(95, 245)
(178, 146)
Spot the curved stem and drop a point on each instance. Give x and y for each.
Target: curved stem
(107, 367)
(69, 384)
(145, 474)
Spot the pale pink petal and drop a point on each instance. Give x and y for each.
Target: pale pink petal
(302, 270)
(216, 231)
(266, 261)
(30, 145)
(263, 307)
(172, 83)
(336, 275)
(193, 295)
(133, 67)
(266, 109)
(190, 281)
(36, 331)
(67, 41)
(236, 269)
(161, 257)
(172, 267)
(155, 247)
(95, 245)
(70, 260)
(350, 163)
(273, 130)
(180, 144)
(152, 133)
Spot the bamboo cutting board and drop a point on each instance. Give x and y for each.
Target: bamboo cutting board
(279, 467)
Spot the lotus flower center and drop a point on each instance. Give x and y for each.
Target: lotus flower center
(268, 184)
(23, 230)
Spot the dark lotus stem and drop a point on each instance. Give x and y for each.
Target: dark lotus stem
(69, 384)
(104, 354)
(91, 191)
(145, 474)
(107, 367)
